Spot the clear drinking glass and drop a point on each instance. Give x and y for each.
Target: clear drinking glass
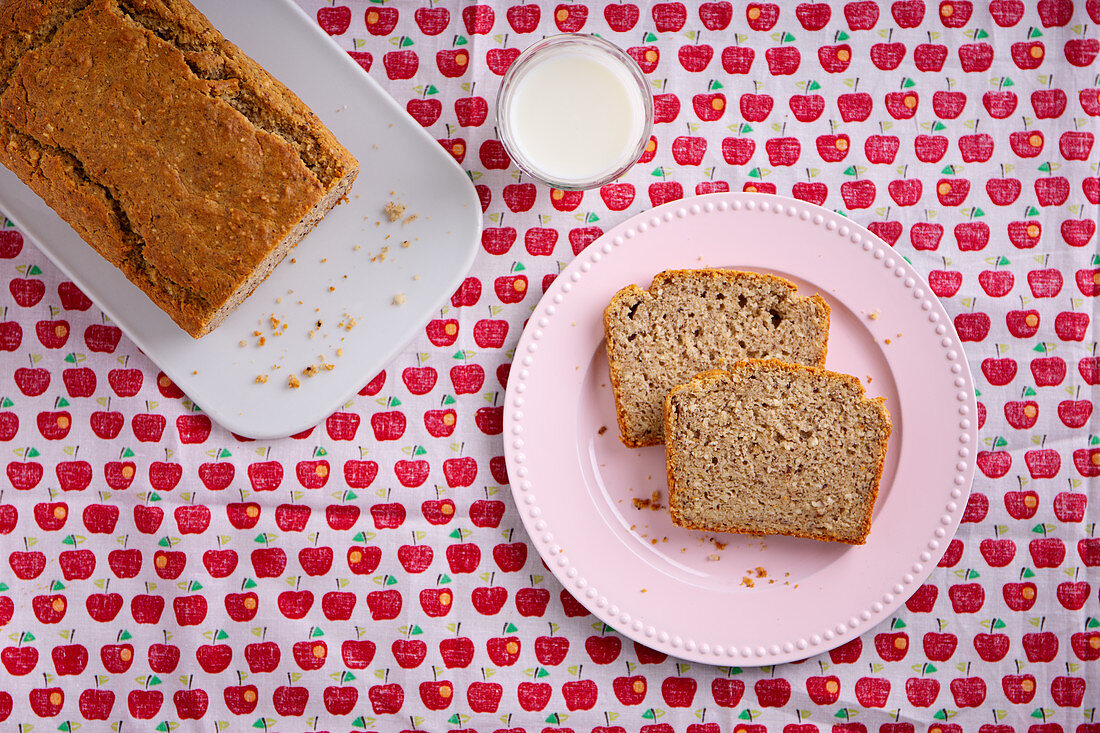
(520, 135)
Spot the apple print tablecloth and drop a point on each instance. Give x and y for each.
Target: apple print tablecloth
(371, 573)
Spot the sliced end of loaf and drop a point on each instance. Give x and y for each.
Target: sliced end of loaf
(690, 321)
(334, 196)
(775, 448)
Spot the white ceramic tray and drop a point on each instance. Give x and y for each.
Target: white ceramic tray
(400, 162)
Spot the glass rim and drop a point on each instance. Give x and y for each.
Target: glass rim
(525, 58)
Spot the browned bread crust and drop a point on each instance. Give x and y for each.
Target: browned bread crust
(814, 309)
(879, 429)
(174, 155)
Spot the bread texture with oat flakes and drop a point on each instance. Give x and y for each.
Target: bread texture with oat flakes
(770, 448)
(174, 155)
(690, 321)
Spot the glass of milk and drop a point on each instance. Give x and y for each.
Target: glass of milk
(574, 111)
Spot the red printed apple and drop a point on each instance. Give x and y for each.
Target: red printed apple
(939, 646)
(945, 283)
(948, 105)
(1000, 105)
(49, 609)
(19, 660)
(1048, 103)
(922, 691)
(580, 694)
(872, 692)
(930, 57)
(107, 425)
(926, 236)
(220, 563)
(262, 657)
(930, 148)
(27, 291)
(47, 702)
(806, 107)
(1028, 54)
(902, 105)
(854, 106)
(976, 57)
(755, 107)
(738, 150)
(771, 692)
(489, 600)
(310, 655)
(782, 151)
(832, 148)
(881, 148)
(966, 597)
(782, 60)
(532, 602)
(737, 59)
(814, 193)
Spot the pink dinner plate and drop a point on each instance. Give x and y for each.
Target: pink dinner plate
(722, 598)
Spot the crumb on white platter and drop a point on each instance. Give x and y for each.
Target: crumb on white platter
(394, 210)
(399, 299)
(292, 382)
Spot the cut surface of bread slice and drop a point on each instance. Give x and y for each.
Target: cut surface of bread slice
(690, 321)
(771, 448)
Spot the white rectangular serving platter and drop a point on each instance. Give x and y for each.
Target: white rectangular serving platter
(339, 271)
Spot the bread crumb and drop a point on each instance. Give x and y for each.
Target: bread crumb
(874, 315)
(261, 379)
(761, 572)
(331, 289)
(256, 333)
(399, 299)
(293, 382)
(602, 430)
(713, 557)
(409, 219)
(416, 277)
(339, 352)
(719, 545)
(644, 590)
(329, 367)
(242, 343)
(888, 342)
(641, 503)
(394, 210)
(262, 341)
(309, 371)
(747, 582)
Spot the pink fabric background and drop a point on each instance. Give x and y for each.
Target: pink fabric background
(974, 155)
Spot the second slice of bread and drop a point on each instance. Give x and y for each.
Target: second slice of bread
(774, 448)
(690, 321)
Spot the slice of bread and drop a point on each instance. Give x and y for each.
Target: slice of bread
(690, 321)
(772, 448)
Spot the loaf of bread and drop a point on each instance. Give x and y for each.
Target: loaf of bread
(173, 154)
(690, 321)
(771, 448)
